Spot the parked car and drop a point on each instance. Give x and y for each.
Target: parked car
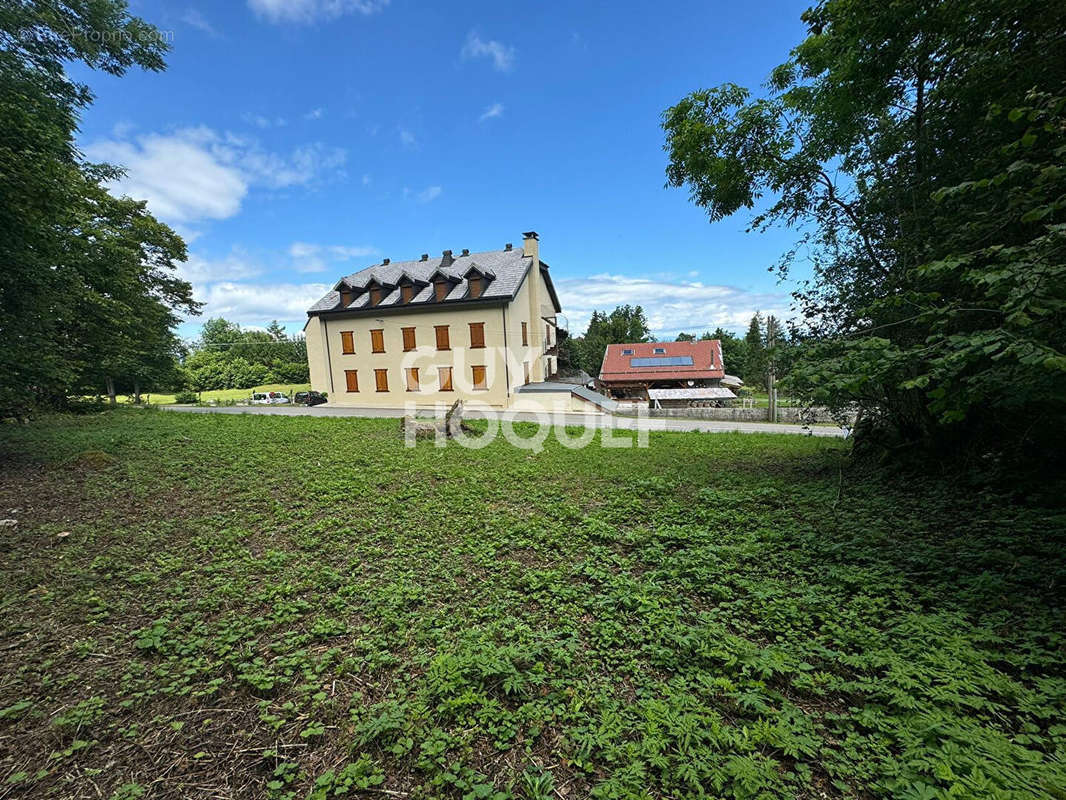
(308, 398)
(269, 398)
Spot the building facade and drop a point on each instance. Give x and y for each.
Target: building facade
(666, 373)
(475, 327)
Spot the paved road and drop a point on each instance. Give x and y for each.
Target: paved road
(581, 420)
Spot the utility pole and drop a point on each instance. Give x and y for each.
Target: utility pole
(771, 390)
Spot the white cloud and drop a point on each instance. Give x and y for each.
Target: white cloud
(429, 194)
(495, 110)
(502, 55)
(671, 306)
(194, 19)
(366, 180)
(309, 257)
(258, 302)
(236, 266)
(314, 113)
(179, 176)
(197, 174)
(305, 12)
(261, 121)
(407, 138)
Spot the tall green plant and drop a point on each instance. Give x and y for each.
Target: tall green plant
(876, 113)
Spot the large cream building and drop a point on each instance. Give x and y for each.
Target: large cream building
(481, 327)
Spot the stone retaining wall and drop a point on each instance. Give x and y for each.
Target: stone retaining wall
(789, 415)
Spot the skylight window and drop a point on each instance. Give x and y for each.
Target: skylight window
(659, 351)
(627, 352)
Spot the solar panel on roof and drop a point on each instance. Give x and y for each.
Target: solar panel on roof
(661, 361)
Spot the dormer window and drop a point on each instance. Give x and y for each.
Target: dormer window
(407, 293)
(440, 290)
(375, 295)
(347, 296)
(477, 286)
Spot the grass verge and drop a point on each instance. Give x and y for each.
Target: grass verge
(275, 607)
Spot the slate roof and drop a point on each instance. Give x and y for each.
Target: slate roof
(706, 358)
(506, 270)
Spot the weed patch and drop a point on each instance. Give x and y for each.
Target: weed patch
(275, 607)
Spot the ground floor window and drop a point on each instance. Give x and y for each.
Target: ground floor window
(444, 375)
(480, 382)
(381, 379)
(412, 379)
(351, 379)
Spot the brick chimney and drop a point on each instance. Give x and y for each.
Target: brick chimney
(446, 259)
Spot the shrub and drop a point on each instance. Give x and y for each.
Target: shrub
(186, 396)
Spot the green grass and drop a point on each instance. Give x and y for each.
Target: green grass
(274, 607)
(221, 395)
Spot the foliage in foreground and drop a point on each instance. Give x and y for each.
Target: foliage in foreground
(918, 148)
(88, 292)
(301, 607)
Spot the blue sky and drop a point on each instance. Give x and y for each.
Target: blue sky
(295, 141)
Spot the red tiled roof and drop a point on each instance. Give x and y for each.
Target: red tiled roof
(706, 361)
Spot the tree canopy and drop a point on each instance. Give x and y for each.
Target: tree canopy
(88, 293)
(624, 324)
(916, 147)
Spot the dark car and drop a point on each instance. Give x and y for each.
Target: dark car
(308, 398)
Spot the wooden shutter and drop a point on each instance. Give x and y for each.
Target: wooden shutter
(442, 337)
(547, 334)
(475, 287)
(381, 380)
(480, 383)
(407, 292)
(412, 379)
(444, 375)
(408, 339)
(377, 340)
(351, 379)
(525, 368)
(477, 334)
(375, 295)
(440, 290)
(525, 335)
(347, 342)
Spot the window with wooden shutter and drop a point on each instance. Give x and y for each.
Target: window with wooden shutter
(381, 380)
(440, 290)
(375, 295)
(407, 293)
(477, 334)
(525, 335)
(477, 285)
(444, 375)
(442, 337)
(547, 335)
(525, 368)
(377, 340)
(412, 379)
(347, 342)
(408, 339)
(351, 380)
(480, 384)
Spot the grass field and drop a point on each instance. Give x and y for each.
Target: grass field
(222, 395)
(208, 606)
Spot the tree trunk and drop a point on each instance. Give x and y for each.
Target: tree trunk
(137, 392)
(111, 400)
